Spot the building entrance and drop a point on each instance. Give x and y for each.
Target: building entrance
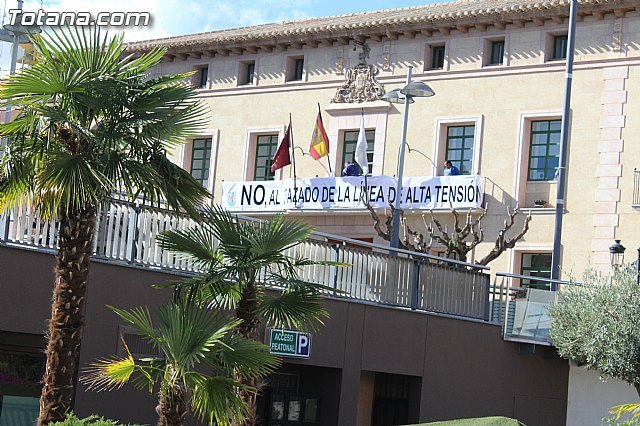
(283, 404)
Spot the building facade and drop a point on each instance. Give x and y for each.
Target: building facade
(497, 69)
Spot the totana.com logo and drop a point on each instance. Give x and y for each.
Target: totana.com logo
(102, 19)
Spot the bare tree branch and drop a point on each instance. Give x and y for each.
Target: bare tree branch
(502, 243)
(376, 223)
(460, 241)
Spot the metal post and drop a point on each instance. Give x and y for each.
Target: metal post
(395, 230)
(12, 71)
(133, 226)
(564, 136)
(336, 248)
(638, 268)
(488, 307)
(5, 227)
(415, 285)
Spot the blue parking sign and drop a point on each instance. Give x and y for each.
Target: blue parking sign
(304, 345)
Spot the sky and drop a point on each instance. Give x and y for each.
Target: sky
(177, 17)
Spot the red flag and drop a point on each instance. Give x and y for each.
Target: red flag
(282, 157)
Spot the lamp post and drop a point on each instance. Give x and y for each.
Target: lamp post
(564, 138)
(616, 251)
(405, 95)
(16, 35)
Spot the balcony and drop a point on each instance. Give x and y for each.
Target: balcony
(127, 233)
(636, 188)
(523, 312)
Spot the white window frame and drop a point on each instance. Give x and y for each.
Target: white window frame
(522, 153)
(186, 150)
(440, 142)
(195, 79)
(285, 64)
(487, 42)
(243, 61)
(350, 120)
(428, 54)
(548, 45)
(515, 257)
(250, 142)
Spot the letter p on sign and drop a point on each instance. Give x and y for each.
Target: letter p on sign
(304, 345)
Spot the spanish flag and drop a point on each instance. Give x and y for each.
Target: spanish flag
(319, 140)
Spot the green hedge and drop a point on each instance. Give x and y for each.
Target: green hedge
(484, 421)
(94, 420)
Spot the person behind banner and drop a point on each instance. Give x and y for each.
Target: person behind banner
(351, 169)
(450, 169)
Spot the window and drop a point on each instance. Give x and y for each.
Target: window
(246, 72)
(266, 146)
(497, 52)
(202, 75)
(559, 47)
(536, 265)
(459, 148)
(437, 57)
(544, 149)
(22, 365)
(349, 147)
(200, 159)
(294, 68)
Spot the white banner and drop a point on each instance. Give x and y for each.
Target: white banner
(424, 193)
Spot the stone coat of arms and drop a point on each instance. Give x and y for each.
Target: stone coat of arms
(360, 83)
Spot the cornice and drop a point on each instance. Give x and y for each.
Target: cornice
(390, 24)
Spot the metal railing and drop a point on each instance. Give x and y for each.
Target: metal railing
(128, 233)
(636, 187)
(520, 304)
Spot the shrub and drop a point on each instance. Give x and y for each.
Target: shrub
(93, 420)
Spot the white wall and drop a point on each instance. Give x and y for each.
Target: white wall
(590, 398)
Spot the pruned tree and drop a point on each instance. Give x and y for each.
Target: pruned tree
(596, 324)
(458, 241)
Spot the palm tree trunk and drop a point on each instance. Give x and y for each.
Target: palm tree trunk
(67, 311)
(172, 409)
(247, 311)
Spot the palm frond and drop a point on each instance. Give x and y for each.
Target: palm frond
(69, 183)
(246, 357)
(189, 333)
(140, 319)
(109, 373)
(196, 244)
(299, 309)
(625, 409)
(214, 399)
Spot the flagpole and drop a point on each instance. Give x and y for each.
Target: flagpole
(295, 177)
(293, 149)
(328, 159)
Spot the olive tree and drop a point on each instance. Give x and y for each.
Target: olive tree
(597, 325)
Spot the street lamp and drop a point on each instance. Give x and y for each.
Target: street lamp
(15, 34)
(616, 251)
(413, 89)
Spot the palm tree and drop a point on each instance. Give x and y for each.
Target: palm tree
(90, 122)
(185, 338)
(240, 262)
